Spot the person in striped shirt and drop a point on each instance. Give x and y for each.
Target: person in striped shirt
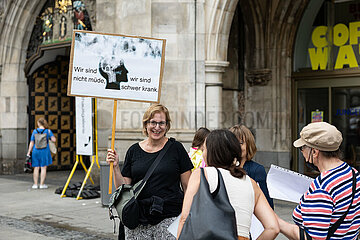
(330, 195)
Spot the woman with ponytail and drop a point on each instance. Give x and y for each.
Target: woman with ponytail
(222, 151)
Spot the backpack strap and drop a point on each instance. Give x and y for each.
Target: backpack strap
(47, 135)
(40, 132)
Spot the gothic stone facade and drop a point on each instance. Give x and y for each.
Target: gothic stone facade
(201, 70)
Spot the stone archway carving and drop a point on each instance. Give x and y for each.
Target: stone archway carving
(17, 21)
(219, 15)
(15, 30)
(270, 30)
(15, 34)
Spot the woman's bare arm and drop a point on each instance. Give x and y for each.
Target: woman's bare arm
(291, 231)
(184, 178)
(31, 145)
(265, 214)
(193, 187)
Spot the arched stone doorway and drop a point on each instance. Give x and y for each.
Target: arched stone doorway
(269, 37)
(46, 70)
(48, 99)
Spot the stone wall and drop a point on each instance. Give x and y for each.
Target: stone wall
(197, 68)
(173, 21)
(16, 26)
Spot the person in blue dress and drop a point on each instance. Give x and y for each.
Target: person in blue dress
(41, 157)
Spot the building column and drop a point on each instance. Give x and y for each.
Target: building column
(213, 93)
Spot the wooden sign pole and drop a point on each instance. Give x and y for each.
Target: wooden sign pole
(96, 133)
(112, 145)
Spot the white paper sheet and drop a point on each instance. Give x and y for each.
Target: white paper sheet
(256, 227)
(174, 226)
(287, 185)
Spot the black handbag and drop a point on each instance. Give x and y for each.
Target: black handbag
(28, 164)
(336, 225)
(211, 215)
(124, 199)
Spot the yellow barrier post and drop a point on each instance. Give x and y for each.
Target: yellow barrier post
(86, 177)
(70, 176)
(83, 165)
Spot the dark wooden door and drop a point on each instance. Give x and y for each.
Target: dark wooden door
(48, 99)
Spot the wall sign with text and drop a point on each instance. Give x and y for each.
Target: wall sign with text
(341, 40)
(317, 116)
(116, 66)
(84, 126)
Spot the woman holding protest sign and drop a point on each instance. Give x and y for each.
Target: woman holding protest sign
(330, 209)
(161, 198)
(41, 156)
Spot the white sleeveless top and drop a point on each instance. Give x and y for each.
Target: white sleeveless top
(241, 195)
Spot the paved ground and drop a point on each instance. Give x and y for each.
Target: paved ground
(26, 213)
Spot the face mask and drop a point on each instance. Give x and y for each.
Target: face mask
(311, 165)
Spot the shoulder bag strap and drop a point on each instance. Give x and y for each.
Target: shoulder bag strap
(340, 220)
(301, 233)
(48, 135)
(155, 163)
(218, 183)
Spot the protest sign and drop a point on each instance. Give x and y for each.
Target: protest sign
(84, 129)
(116, 66)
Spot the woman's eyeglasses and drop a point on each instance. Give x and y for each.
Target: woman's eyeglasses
(154, 123)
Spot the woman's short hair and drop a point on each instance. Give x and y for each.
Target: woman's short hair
(199, 137)
(151, 111)
(244, 134)
(43, 122)
(223, 150)
(333, 154)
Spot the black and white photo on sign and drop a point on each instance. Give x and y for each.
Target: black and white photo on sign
(116, 66)
(84, 126)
